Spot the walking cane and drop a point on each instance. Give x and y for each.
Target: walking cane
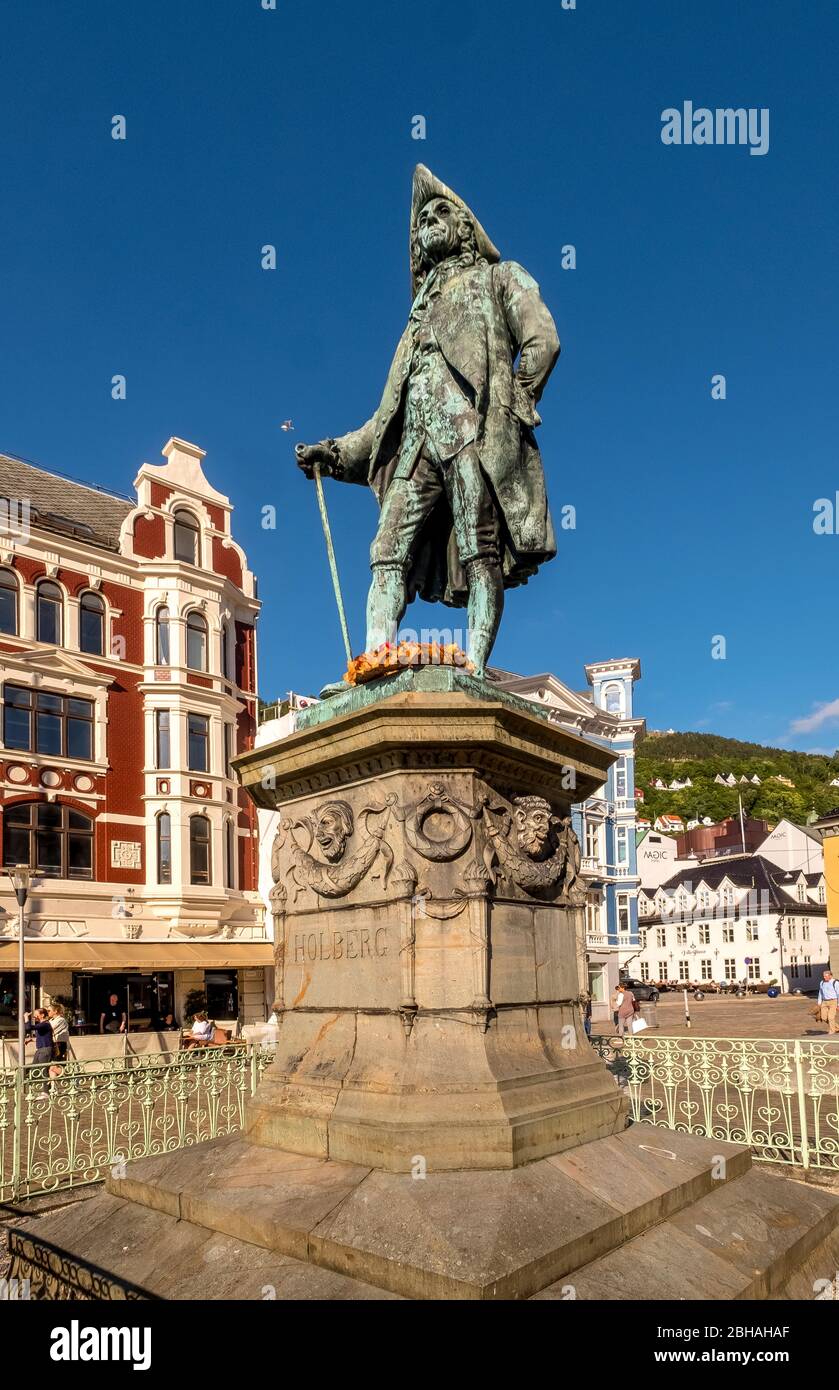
(330, 551)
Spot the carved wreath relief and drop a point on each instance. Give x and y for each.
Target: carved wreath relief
(530, 846)
(331, 850)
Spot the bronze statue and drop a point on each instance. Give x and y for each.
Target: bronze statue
(451, 453)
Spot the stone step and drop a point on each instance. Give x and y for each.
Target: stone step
(748, 1239)
(110, 1241)
(466, 1235)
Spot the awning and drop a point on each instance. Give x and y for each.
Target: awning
(137, 955)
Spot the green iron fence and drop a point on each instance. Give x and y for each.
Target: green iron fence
(779, 1096)
(68, 1129)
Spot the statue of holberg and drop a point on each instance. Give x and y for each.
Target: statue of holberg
(450, 452)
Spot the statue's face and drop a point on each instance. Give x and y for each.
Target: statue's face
(437, 229)
(331, 834)
(533, 829)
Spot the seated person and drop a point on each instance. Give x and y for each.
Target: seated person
(202, 1028)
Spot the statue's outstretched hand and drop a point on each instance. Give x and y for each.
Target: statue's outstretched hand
(310, 454)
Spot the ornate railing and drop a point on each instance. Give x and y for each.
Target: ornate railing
(779, 1096)
(71, 1127)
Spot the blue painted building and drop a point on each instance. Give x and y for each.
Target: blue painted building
(605, 823)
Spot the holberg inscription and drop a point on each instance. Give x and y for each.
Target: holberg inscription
(355, 943)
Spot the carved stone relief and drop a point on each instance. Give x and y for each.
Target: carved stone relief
(330, 827)
(534, 848)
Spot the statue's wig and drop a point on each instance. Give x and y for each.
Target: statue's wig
(533, 803)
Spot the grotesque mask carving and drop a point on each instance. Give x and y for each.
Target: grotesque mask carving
(334, 826)
(535, 825)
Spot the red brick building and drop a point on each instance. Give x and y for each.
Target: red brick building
(128, 682)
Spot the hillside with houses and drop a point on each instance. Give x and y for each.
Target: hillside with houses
(692, 777)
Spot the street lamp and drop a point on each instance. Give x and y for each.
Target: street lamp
(21, 879)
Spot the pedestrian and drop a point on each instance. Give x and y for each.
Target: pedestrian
(60, 1032)
(112, 1018)
(585, 1004)
(626, 1010)
(43, 1038)
(615, 1001)
(42, 1035)
(828, 1000)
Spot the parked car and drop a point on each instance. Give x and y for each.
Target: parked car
(644, 993)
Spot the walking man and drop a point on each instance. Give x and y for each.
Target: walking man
(828, 1000)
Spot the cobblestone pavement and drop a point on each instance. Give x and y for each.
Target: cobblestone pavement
(723, 1016)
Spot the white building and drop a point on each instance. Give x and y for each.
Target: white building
(739, 917)
(793, 846)
(657, 859)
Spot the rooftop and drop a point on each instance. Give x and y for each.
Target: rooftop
(64, 505)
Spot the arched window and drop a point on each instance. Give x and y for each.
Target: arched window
(164, 847)
(199, 850)
(613, 699)
(186, 538)
(196, 642)
(48, 607)
(55, 841)
(92, 625)
(161, 637)
(8, 602)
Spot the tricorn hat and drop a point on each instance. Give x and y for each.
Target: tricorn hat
(427, 186)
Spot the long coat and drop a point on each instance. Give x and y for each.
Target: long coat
(483, 318)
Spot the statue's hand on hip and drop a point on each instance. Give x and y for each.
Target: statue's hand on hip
(322, 455)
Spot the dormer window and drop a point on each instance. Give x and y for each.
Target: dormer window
(186, 538)
(92, 625)
(48, 609)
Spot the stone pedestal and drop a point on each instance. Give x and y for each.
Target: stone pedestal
(435, 1125)
(426, 915)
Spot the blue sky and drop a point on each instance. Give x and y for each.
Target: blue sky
(293, 127)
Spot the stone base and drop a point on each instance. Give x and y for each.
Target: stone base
(647, 1214)
(351, 1087)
